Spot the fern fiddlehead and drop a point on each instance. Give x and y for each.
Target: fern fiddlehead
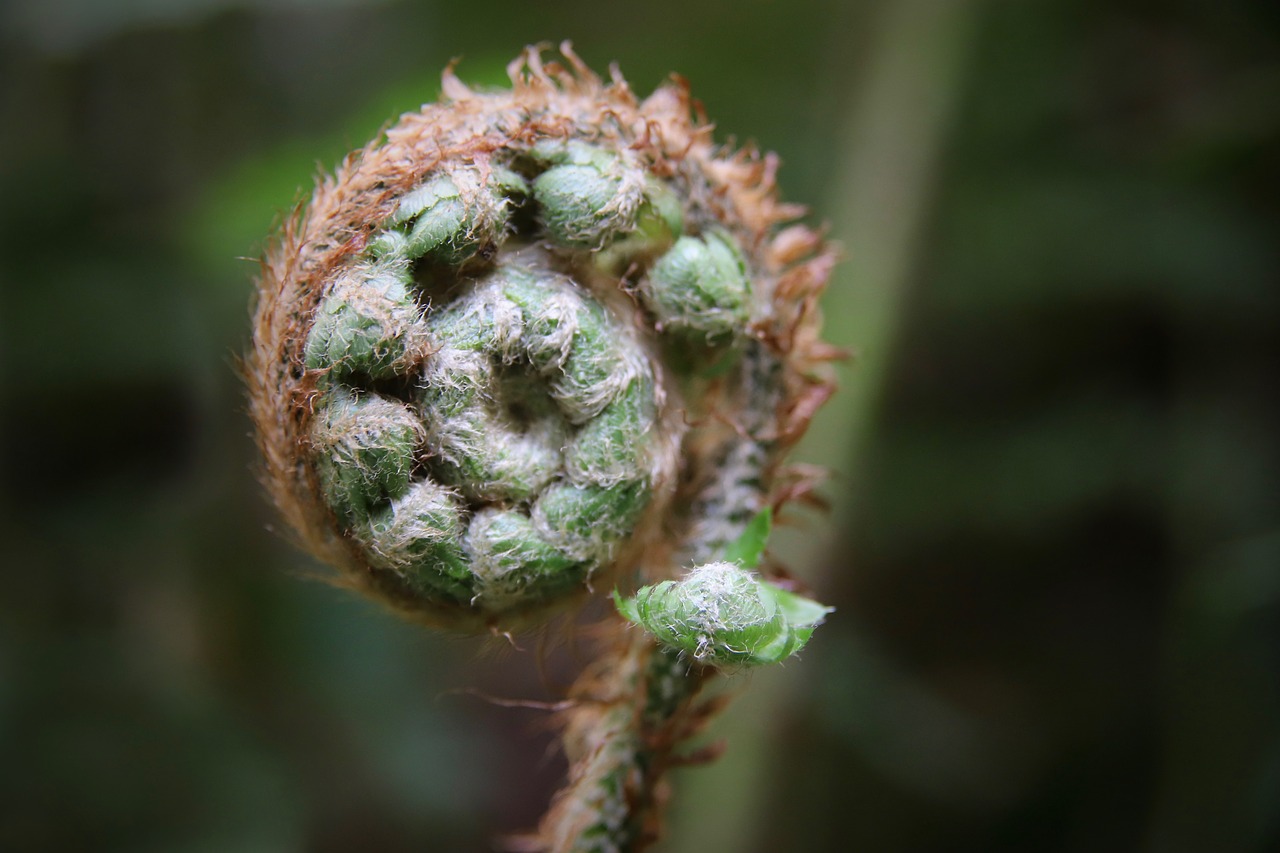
(538, 341)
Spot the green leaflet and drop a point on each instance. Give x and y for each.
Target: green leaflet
(748, 548)
(722, 614)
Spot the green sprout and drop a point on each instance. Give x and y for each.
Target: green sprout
(722, 614)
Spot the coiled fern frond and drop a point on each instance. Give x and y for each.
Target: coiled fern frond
(534, 342)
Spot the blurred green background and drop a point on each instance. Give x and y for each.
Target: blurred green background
(1054, 541)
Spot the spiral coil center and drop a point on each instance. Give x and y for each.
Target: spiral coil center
(497, 447)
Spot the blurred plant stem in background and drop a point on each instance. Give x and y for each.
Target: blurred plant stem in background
(898, 113)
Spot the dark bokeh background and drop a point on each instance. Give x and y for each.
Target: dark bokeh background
(1055, 535)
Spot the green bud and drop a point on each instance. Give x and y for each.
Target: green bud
(507, 182)
(364, 449)
(452, 216)
(610, 447)
(504, 463)
(570, 339)
(589, 377)
(391, 244)
(588, 521)
(723, 615)
(496, 434)
(368, 324)
(701, 285)
(501, 433)
(442, 230)
(588, 196)
(659, 221)
(419, 536)
(512, 561)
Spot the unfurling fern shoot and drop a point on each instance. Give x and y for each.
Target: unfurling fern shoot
(541, 342)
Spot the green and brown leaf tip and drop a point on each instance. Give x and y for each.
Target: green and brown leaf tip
(532, 340)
